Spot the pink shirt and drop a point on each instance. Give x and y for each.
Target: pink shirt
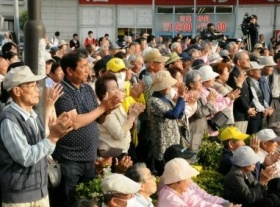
(193, 197)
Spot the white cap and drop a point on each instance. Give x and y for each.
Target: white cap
(214, 58)
(267, 134)
(118, 183)
(178, 169)
(207, 73)
(244, 156)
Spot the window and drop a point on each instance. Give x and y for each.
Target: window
(165, 10)
(204, 10)
(224, 9)
(184, 10)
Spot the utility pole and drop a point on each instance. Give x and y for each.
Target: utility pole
(16, 22)
(34, 47)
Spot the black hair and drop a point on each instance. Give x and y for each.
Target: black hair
(90, 32)
(150, 38)
(72, 58)
(55, 66)
(57, 33)
(74, 35)
(7, 47)
(120, 55)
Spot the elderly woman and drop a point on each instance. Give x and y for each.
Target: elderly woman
(164, 115)
(177, 192)
(220, 85)
(115, 130)
(240, 186)
(208, 79)
(198, 121)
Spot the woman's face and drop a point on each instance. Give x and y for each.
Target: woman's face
(209, 83)
(112, 87)
(197, 84)
(179, 79)
(183, 185)
(224, 76)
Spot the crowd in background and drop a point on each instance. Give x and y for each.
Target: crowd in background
(141, 106)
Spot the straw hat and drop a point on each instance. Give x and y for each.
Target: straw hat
(173, 58)
(267, 61)
(154, 56)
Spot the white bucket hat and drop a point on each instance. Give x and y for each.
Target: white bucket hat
(207, 73)
(178, 169)
(244, 156)
(255, 66)
(267, 61)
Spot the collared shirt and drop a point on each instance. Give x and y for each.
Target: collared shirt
(140, 201)
(16, 143)
(78, 145)
(49, 82)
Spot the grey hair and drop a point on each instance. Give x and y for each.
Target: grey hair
(238, 56)
(191, 77)
(134, 172)
(230, 46)
(192, 51)
(134, 57)
(174, 45)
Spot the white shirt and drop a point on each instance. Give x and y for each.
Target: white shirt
(140, 201)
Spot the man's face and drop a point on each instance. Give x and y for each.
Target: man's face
(256, 74)
(28, 94)
(244, 62)
(156, 66)
(268, 70)
(80, 74)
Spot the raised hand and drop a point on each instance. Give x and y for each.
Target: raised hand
(255, 143)
(211, 98)
(136, 109)
(112, 102)
(240, 79)
(59, 127)
(122, 165)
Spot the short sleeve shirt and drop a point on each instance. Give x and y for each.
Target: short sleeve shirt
(78, 145)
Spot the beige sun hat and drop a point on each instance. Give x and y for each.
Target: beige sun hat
(178, 169)
(255, 66)
(162, 80)
(173, 57)
(20, 75)
(154, 56)
(267, 61)
(62, 42)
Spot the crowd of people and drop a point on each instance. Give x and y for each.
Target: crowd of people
(141, 107)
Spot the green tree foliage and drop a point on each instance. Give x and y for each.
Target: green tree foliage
(23, 19)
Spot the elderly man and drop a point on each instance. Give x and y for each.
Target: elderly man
(77, 151)
(24, 146)
(118, 190)
(241, 107)
(141, 174)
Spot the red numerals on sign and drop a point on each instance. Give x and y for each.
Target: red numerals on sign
(221, 26)
(183, 27)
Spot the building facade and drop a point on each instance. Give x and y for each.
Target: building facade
(120, 17)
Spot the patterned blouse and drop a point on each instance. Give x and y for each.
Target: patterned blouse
(163, 122)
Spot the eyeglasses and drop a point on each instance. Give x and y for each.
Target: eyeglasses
(29, 85)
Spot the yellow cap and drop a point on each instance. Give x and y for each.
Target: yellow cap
(232, 133)
(115, 65)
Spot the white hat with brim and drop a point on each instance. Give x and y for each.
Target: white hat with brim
(267, 61)
(245, 156)
(214, 58)
(48, 57)
(162, 80)
(176, 170)
(255, 66)
(173, 58)
(20, 75)
(207, 73)
(118, 183)
(267, 135)
(154, 56)
(62, 42)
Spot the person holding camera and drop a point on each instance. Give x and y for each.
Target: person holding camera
(254, 30)
(210, 33)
